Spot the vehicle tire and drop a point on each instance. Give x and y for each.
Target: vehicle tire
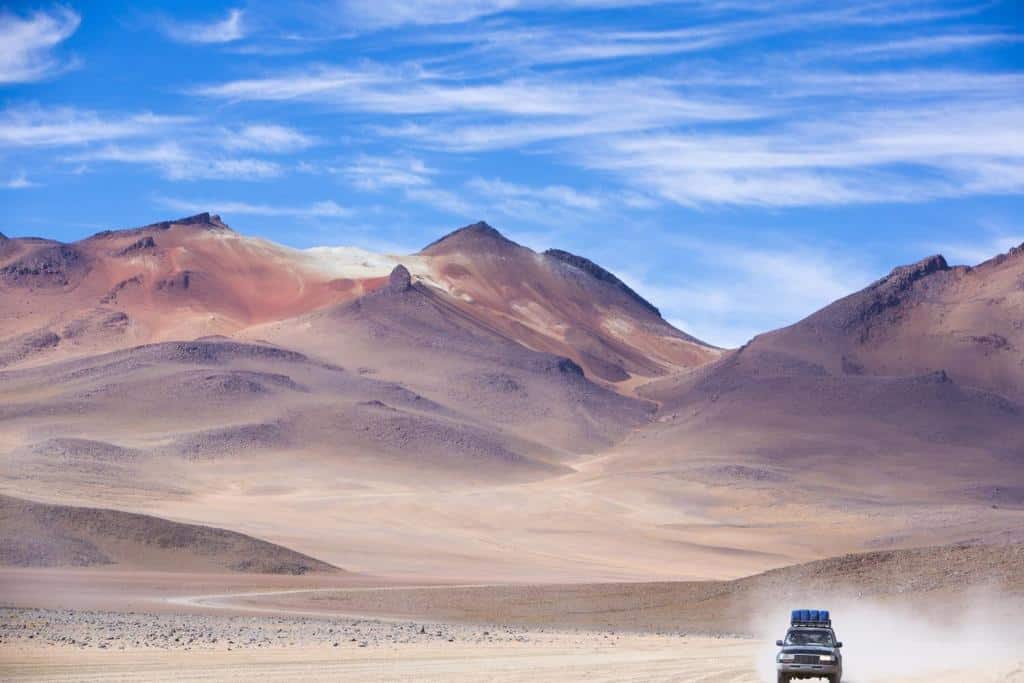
(834, 679)
(783, 678)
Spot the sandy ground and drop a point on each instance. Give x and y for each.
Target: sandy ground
(539, 657)
(64, 625)
(558, 657)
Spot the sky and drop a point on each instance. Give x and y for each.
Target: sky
(740, 163)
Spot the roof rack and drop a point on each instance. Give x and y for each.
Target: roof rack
(810, 617)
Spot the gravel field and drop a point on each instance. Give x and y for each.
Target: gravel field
(133, 630)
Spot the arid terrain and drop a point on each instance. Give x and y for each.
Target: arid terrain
(904, 613)
(480, 461)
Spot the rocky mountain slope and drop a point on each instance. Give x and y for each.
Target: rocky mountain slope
(927, 317)
(912, 385)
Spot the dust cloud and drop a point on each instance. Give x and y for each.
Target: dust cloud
(931, 637)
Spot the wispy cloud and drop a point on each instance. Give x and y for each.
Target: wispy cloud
(41, 127)
(408, 175)
(226, 30)
(440, 198)
(323, 209)
(391, 90)
(377, 172)
(744, 289)
(27, 44)
(528, 110)
(542, 205)
(377, 14)
(370, 14)
(19, 182)
(956, 150)
(986, 245)
(927, 45)
(179, 147)
(709, 26)
(266, 138)
(178, 162)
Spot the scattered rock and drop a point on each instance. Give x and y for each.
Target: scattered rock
(400, 280)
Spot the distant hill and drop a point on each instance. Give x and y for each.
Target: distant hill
(38, 535)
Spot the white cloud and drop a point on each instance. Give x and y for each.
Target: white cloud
(980, 249)
(442, 199)
(178, 162)
(19, 182)
(927, 45)
(391, 90)
(266, 138)
(227, 30)
(27, 44)
(709, 25)
(177, 146)
(494, 115)
(514, 199)
(375, 172)
(742, 290)
(957, 150)
(409, 175)
(323, 209)
(376, 14)
(39, 127)
(540, 45)
(314, 84)
(906, 85)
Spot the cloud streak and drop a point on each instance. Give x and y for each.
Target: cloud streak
(745, 289)
(27, 44)
(227, 30)
(40, 127)
(957, 150)
(266, 138)
(19, 182)
(177, 162)
(323, 209)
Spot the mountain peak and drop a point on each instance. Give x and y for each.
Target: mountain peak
(901, 287)
(204, 219)
(596, 271)
(903, 277)
(200, 221)
(479, 235)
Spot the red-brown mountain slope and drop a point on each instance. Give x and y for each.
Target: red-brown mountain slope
(196, 277)
(560, 303)
(172, 280)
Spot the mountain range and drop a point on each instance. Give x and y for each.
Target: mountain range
(481, 409)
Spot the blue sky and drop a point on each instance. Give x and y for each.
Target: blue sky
(740, 166)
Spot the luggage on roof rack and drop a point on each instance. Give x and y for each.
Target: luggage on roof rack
(810, 617)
